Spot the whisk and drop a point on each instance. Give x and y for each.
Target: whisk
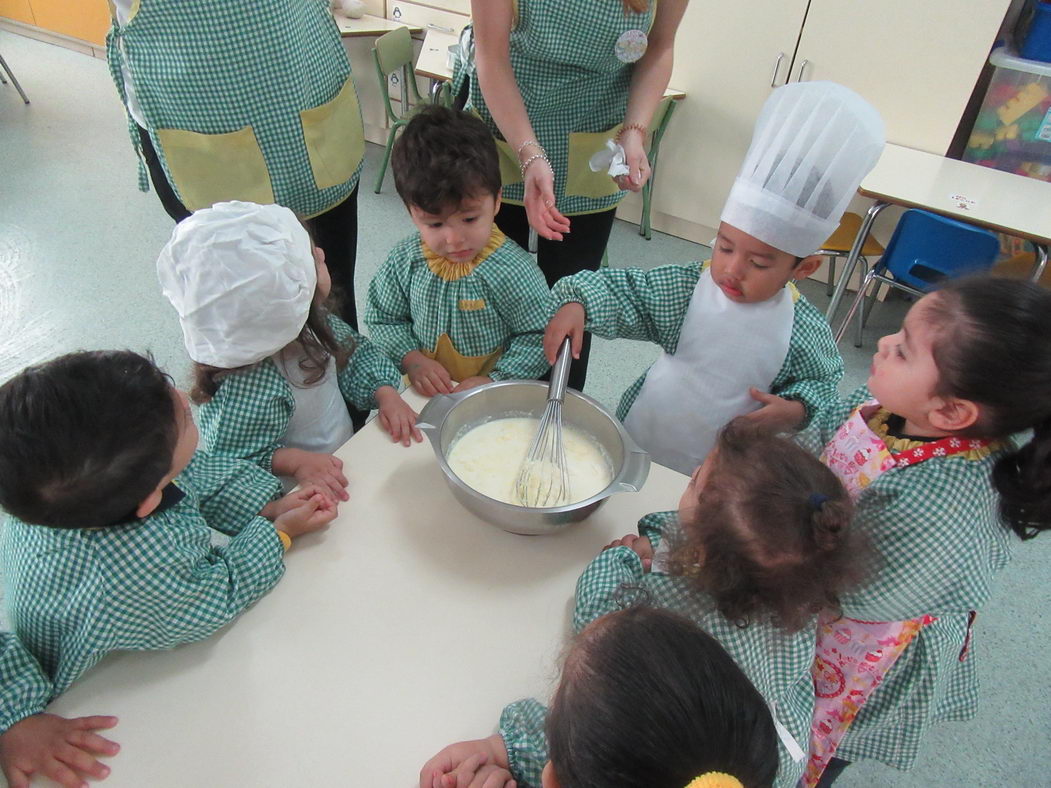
(543, 479)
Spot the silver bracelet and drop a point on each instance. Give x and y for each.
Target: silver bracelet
(531, 159)
(530, 142)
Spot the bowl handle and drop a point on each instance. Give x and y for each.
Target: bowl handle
(437, 408)
(636, 469)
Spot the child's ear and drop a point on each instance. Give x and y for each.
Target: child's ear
(496, 207)
(149, 503)
(954, 414)
(806, 267)
(548, 778)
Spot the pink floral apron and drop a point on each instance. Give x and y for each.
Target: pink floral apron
(853, 656)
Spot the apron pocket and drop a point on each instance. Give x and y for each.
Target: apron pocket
(510, 169)
(210, 168)
(334, 137)
(580, 180)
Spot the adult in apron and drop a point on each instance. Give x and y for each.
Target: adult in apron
(555, 81)
(249, 101)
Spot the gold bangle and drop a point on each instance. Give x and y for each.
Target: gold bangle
(286, 540)
(534, 143)
(531, 159)
(629, 127)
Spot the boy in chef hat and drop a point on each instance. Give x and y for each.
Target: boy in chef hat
(274, 368)
(738, 337)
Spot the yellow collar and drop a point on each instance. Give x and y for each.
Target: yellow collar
(450, 271)
(878, 424)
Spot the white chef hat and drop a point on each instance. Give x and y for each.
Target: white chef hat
(242, 277)
(812, 145)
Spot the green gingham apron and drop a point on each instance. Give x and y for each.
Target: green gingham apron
(243, 100)
(575, 89)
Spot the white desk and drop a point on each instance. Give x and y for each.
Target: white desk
(985, 197)
(407, 625)
(368, 25)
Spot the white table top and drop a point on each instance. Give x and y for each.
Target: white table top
(369, 25)
(999, 200)
(408, 624)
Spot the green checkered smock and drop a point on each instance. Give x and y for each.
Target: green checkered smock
(24, 690)
(73, 595)
(938, 541)
(575, 91)
(243, 100)
(776, 662)
(500, 308)
(632, 303)
(249, 414)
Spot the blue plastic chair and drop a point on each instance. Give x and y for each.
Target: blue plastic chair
(924, 250)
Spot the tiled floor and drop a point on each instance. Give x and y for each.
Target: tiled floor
(77, 250)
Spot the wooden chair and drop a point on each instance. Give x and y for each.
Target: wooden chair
(840, 243)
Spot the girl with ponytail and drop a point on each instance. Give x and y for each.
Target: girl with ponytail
(947, 451)
(760, 543)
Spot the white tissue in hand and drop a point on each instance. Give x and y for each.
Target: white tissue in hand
(611, 158)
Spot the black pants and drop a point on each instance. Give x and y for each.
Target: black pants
(335, 230)
(832, 771)
(582, 248)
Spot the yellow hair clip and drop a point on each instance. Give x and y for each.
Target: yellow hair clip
(715, 780)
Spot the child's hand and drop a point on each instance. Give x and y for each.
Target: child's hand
(426, 375)
(462, 760)
(487, 775)
(777, 414)
(310, 515)
(294, 499)
(324, 470)
(640, 544)
(567, 322)
(397, 418)
(471, 382)
(63, 750)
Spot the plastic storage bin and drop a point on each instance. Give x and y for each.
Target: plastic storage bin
(1034, 31)
(1013, 128)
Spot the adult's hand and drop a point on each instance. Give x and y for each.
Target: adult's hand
(637, 161)
(543, 215)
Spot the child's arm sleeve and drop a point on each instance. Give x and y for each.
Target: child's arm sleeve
(246, 418)
(388, 312)
(522, 729)
(24, 690)
(597, 588)
(231, 491)
(814, 367)
(524, 304)
(632, 303)
(367, 370)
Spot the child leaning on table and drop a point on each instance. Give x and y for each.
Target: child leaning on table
(109, 542)
(761, 541)
(457, 301)
(274, 368)
(937, 450)
(735, 331)
(612, 720)
(33, 742)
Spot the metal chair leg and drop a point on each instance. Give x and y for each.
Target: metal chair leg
(854, 306)
(386, 156)
(7, 68)
(831, 274)
(855, 252)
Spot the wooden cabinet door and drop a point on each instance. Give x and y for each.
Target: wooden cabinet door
(917, 62)
(725, 54)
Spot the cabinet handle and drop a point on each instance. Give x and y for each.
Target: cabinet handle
(440, 28)
(777, 68)
(802, 66)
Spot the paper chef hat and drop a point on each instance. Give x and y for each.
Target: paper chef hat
(812, 145)
(242, 277)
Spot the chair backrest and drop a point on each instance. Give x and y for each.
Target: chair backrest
(393, 53)
(927, 248)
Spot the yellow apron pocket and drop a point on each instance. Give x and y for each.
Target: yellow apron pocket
(580, 180)
(211, 168)
(471, 304)
(334, 137)
(461, 367)
(510, 169)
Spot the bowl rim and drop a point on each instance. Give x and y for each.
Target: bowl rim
(614, 486)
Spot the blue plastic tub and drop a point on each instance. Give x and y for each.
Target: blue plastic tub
(1034, 32)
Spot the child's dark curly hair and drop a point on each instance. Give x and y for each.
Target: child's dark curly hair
(770, 537)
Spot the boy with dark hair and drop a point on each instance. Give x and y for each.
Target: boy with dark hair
(457, 301)
(109, 544)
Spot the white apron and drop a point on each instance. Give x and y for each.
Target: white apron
(724, 348)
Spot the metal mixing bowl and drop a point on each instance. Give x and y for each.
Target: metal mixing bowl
(447, 416)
